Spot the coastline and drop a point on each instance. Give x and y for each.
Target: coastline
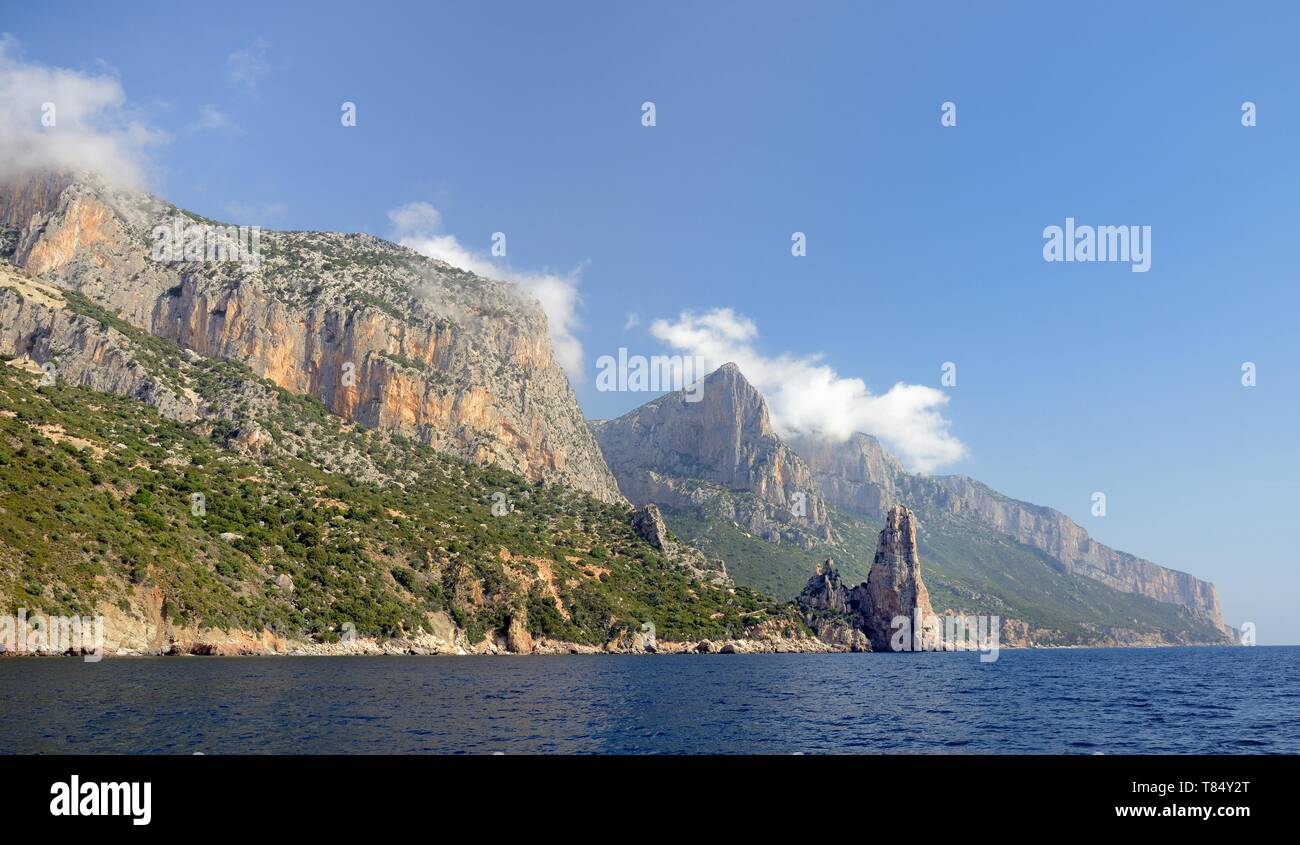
(431, 646)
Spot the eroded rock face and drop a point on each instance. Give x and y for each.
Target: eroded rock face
(859, 475)
(825, 591)
(518, 640)
(856, 474)
(719, 456)
(376, 332)
(836, 613)
(35, 326)
(25, 198)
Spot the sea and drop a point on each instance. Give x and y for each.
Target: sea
(1225, 700)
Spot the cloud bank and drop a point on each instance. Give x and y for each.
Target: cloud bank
(61, 119)
(808, 396)
(418, 225)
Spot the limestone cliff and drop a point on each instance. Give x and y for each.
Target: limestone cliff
(894, 587)
(836, 614)
(38, 332)
(379, 334)
(718, 455)
(859, 475)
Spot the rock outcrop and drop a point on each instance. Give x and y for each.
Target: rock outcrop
(376, 332)
(719, 456)
(836, 614)
(859, 475)
(649, 524)
(826, 591)
(863, 617)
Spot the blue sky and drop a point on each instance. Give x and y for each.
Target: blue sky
(924, 242)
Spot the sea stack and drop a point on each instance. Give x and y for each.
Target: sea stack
(894, 585)
(862, 617)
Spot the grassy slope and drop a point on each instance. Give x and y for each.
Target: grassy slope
(82, 522)
(779, 571)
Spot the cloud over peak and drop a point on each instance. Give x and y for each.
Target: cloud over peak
(806, 395)
(62, 119)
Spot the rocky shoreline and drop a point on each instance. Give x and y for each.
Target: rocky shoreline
(419, 648)
(243, 644)
(840, 618)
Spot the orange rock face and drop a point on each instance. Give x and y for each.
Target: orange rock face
(376, 332)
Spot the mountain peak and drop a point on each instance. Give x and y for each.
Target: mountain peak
(712, 446)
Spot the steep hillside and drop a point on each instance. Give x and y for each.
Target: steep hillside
(379, 334)
(205, 509)
(779, 570)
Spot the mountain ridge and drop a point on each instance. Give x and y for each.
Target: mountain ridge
(981, 535)
(859, 474)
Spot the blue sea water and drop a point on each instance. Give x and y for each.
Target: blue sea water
(1115, 701)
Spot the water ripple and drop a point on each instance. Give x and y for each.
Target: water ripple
(1180, 701)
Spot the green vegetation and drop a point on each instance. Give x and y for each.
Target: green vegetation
(100, 499)
(780, 571)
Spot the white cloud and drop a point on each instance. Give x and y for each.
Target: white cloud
(633, 320)
(92, 127)
(249, 66)
(418, 225)
(211, 118)
(806, 395)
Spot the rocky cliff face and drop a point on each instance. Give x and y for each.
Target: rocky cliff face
(40, 333)
(23, 199)
(862, 617)
(1059, 536)
(857, 474)
(860, 475)
(826, 592)
(718, 455)
(377, 333)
